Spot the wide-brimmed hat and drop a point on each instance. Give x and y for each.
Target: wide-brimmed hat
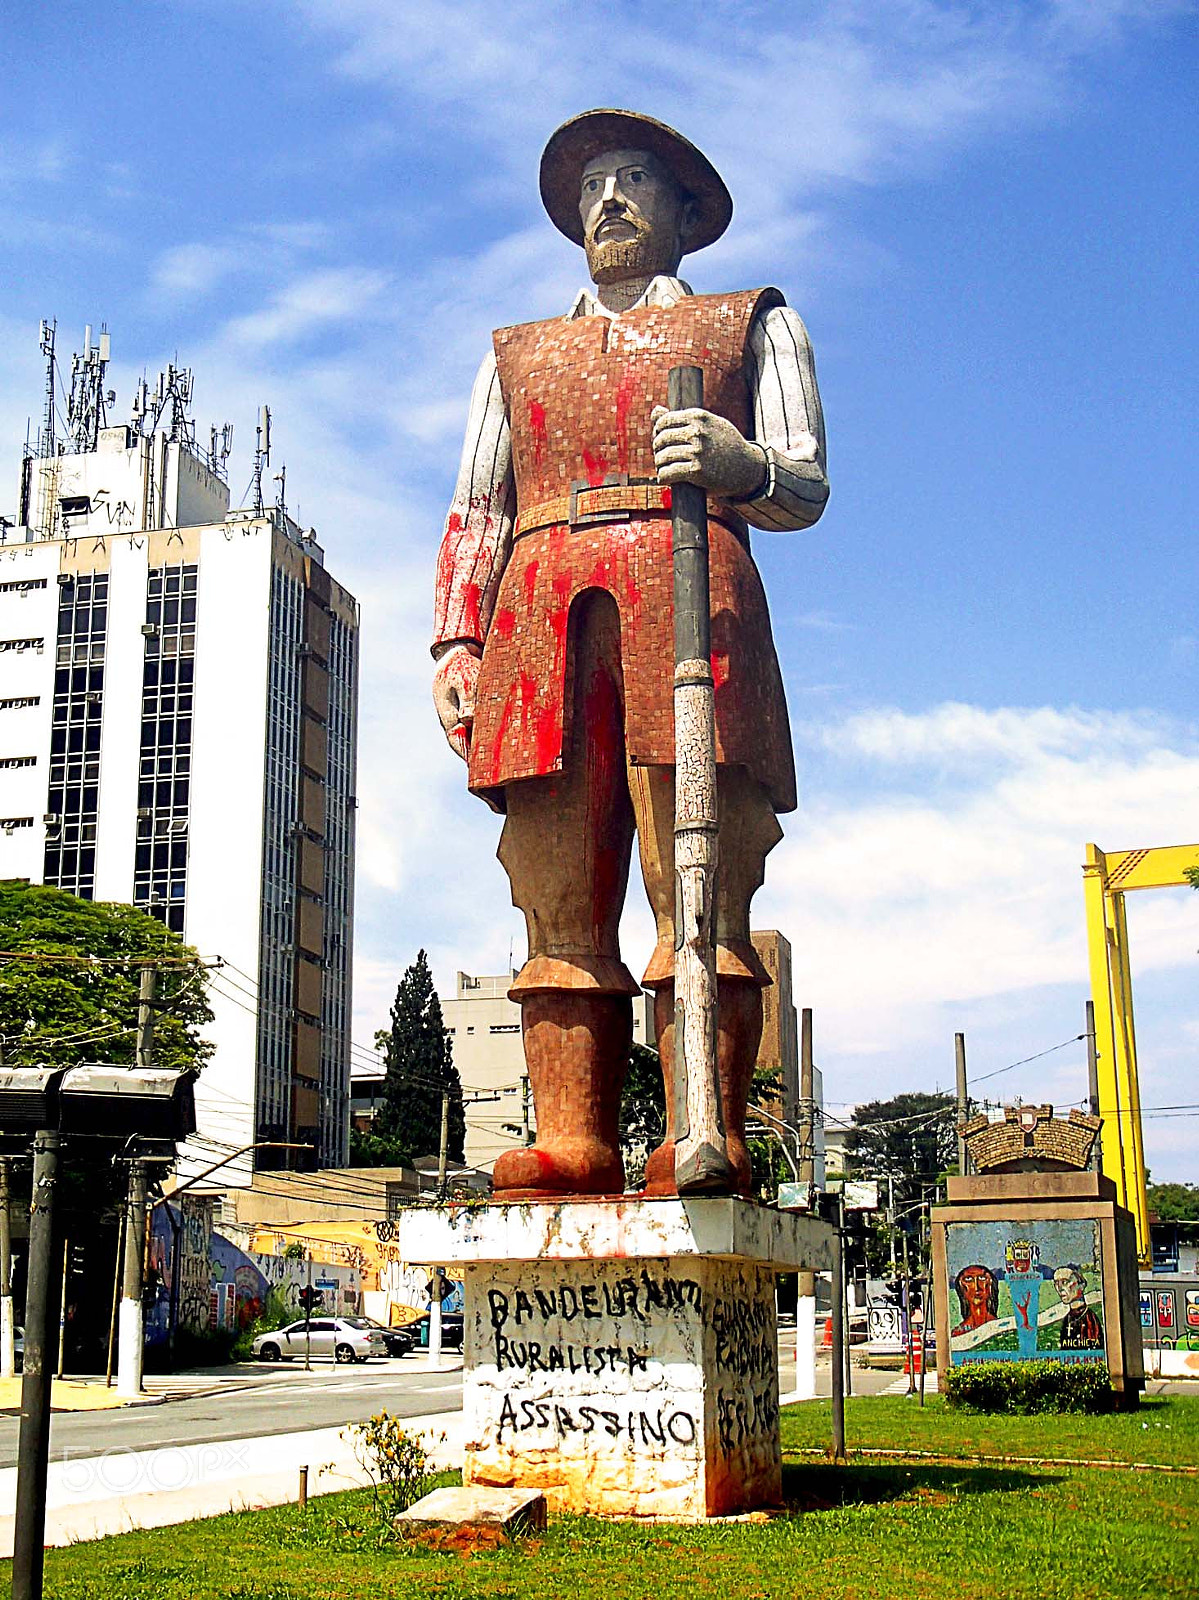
(592, 132)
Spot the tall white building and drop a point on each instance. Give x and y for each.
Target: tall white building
(178, 701)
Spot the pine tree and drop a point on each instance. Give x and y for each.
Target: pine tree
(420, 1067)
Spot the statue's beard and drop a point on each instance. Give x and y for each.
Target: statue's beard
(643, 256)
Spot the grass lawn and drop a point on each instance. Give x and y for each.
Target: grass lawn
(1164, 1429)
(868, 1531)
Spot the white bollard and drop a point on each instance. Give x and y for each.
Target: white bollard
(805, 1347)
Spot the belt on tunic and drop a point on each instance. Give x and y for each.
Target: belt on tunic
(587, 504)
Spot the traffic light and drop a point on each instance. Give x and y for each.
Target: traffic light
(439, 1286)
(310, 1299)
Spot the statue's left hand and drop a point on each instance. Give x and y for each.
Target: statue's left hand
(696, 446)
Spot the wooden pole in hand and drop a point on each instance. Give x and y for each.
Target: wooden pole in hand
(701, 1162)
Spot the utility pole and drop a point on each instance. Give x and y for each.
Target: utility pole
(7, 1354)
(33, 1448)
(907, 1315)
(62, 1308)
(145, 1017)
(838, 1352)
(131, 1321)
(805, 1299)
(959, 1049)
(308, 1317)
(435, 1296)
(701, 1162)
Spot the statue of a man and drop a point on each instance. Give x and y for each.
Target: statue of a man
(554, 625)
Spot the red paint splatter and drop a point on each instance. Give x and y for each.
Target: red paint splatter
(471, 597)
(547, 738)
(667, 498)
(624, 398)
(596, 467)
(600, 575)
(720, 669)
(537, 424)
(530, 580)
(528, 694)
(501, 736)
(453, 523)
(504, 623)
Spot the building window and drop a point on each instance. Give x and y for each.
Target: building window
(18, 702)
(505, 1027)
(74, 786)
(22, 585)
(20, 645)
(18, 761)
(9, 823)
(164, 771)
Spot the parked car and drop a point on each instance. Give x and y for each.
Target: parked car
(344, 1338)
(399, 1341)
(452, 1327)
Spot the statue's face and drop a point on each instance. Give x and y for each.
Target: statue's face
(635, 217)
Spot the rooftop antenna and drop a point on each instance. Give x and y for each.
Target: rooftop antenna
(220, 445)
(262, 456)
(87, 406)
(281, 498)
(45, 439)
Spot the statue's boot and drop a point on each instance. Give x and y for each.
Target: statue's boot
(577, 1052)
(738, 1034)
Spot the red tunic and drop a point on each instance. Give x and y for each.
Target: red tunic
(579, 394)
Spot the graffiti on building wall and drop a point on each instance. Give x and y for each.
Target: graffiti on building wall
(1019, 1290)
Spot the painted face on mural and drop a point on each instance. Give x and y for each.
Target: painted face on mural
(635, 217)
(1070, 1286)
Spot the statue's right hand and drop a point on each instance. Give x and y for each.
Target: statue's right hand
(454, 694)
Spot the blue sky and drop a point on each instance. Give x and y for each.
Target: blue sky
(986, 215)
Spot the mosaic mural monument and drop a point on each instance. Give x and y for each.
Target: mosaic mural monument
(1032, 1257)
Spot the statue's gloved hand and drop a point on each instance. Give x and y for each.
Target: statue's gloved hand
(454, 685)
(695, 446)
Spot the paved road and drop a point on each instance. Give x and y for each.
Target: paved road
(282, 1401)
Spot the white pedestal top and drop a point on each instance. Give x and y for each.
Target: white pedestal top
(625, 1227)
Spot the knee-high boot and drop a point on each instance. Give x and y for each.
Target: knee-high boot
(738, 1034)
(577, 1052)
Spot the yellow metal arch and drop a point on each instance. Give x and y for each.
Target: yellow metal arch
(1107, 878)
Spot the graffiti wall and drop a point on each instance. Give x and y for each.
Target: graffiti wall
(1024, 1290)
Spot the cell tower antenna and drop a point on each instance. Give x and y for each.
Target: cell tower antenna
(262, 456)
(281, 497)
(87, 406)
(46, 441)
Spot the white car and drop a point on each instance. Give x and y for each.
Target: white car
(344, 1338)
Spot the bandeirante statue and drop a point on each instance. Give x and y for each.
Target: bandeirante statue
(553, 629)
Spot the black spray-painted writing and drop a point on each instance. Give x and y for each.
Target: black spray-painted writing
(532, 1355)
(592, 1302)
(745, 1337)
(742, 1415)
(639, 1427)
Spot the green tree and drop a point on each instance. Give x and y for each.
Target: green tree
(642, 1112)
(69, 976)
(1174, 1202)
(420, 1068)
(911, 1138)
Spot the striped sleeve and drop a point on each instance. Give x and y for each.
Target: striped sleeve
(478, 529)
(788, 423)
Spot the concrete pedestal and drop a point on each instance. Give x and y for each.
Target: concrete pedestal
(621, 1355)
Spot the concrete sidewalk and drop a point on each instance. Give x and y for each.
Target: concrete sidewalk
(91, 1497)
